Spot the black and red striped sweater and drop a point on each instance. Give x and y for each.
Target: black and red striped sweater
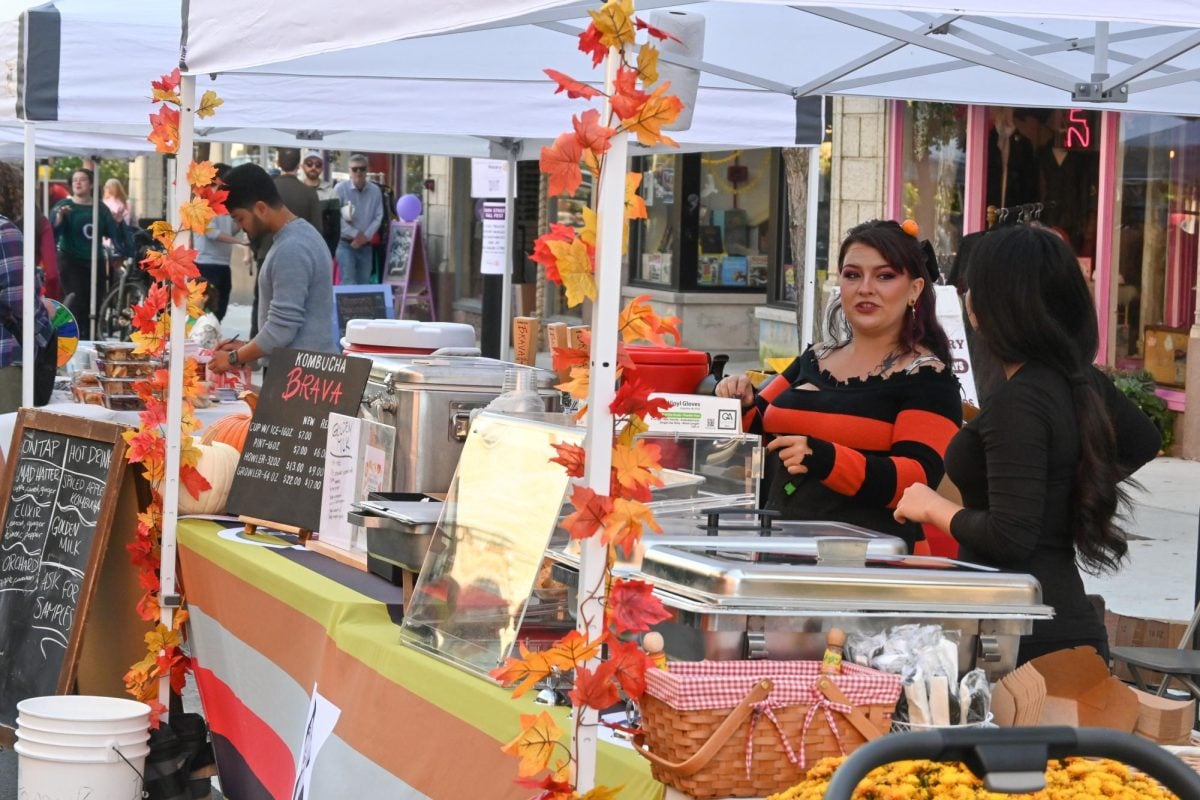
(871, 439)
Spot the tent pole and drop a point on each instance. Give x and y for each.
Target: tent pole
(599, 440)
(810, 246)
(168, 598)
(28, 266)
(1100, 64)
(95, 243)
(510, 192)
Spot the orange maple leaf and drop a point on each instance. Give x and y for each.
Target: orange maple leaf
(209, 102)
(629, 666)
(574, 89)
(214, 197)
(524, 672)
(627, 98)
(635, 205)
(195, 301)
(154, 341)
(573, 650)
(570, 456)
(624, 525)
(591, 512)
(576, 270)
(174, 266)
(587, 234)
(589, 42)
(614, 21)
(634, 425)
(164, 130)
(634, 398)
(163, 233)
(632, 606)
(636, 463)
(596, 689)
(196, 215)
(659, 109)
(579, 384)
(201, 173)
(535, 744)
(166, 88)
(565, 358)
(590, 134)
(647, 64)
(561, 162)
(638, 322)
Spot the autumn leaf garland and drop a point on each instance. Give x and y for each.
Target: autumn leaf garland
(174, 272)
(621, 517)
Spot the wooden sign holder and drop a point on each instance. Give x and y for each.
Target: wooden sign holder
(406, 268)
(254, 523)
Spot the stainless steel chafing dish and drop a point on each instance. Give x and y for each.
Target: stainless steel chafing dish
(761, 598)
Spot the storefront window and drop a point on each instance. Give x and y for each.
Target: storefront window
(784, 289)
(1158, 207)
(658, 230)
(935, 143)
(734, 219)
(567, 211)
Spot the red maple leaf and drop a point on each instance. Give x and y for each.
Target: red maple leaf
(193, 481)
(542, 253)
(657, 33)
(168, 82)
(590, 134)
(574, 89)
(632, 606)
(570, 456)
(566, 357)
(157, 709)
(589, 42)
(629, 667)
(638, 491)
(147, 444)
(590, 511)
(596, 689)
(174, 266)
(561, 162)
(215, 198)
(627, 97)
(634, 398)
(147, 607)
(552, 788)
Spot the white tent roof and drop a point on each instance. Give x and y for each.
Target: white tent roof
(1016, 52)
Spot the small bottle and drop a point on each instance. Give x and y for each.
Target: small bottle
(831, 663)
(652, 643)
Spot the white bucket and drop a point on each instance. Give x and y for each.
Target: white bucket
(67, 745)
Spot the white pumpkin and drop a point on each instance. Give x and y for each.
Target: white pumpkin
(218, 463)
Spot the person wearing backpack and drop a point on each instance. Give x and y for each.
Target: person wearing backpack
(12, 274)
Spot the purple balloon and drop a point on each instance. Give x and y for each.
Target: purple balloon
(408, 207)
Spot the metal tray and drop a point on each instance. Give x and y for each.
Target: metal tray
(398, 531)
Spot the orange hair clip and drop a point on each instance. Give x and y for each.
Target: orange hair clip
(911, 227)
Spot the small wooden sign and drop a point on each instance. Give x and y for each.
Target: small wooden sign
(61, 487)
(280, 475)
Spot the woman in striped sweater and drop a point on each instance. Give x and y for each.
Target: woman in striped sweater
(855, 421)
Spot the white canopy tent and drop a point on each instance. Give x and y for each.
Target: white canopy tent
(1011, 52)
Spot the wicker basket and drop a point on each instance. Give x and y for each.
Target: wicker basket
(751, 728)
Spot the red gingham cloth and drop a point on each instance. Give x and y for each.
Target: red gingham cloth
(700, 685)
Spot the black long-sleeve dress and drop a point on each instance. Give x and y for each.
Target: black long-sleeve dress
(1015, 466)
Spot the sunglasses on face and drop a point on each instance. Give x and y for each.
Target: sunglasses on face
(312, 163)
(358, 169)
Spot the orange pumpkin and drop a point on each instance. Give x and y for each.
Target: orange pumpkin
(232, 430)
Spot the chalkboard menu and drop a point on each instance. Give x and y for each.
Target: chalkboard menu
(279, 476)
(360, 301)
(60, 492)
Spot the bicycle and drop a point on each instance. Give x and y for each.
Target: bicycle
(130, 287)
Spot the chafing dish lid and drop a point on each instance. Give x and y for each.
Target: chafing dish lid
(802, 535)
(473, 371)
(724, 574)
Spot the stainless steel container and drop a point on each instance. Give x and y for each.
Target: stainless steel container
(398, 531)
(753, 599)
(429, 400)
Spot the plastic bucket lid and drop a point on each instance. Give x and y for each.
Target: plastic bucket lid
(83, 714)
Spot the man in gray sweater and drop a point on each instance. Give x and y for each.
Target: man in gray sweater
(295, 283)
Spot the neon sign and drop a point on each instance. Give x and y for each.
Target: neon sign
(1078, 134)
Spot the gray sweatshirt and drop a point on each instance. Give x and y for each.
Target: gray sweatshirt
(295, 292)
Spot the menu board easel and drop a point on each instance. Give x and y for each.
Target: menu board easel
(406, 268)
(280, 475)
(58, 503)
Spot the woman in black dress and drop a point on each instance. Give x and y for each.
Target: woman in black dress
(1040, 467)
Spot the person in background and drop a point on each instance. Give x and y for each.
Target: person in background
(362, 214)
(331, 219)
(855, 421)
(72, 219)
(215, 250)
(206, 331)
(295, 282)
(12, 275)
(1040, 467)
(118, 202)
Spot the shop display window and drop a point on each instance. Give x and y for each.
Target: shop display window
(784, 283)
(1156, 243)
(934, 173)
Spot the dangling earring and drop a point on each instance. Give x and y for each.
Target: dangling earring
(912, 318)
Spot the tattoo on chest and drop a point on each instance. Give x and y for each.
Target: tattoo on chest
(885, 366)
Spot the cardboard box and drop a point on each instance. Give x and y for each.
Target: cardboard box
(1164, 720)
(1139, 632)
(1080, 692)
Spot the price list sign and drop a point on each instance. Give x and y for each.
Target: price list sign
(62, 487)
(281, 471)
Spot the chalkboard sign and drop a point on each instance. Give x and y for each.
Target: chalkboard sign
(59, 497)
(279, 476)
(360, 301)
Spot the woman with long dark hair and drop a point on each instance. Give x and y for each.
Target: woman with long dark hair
(1040, 468)
(856, 420)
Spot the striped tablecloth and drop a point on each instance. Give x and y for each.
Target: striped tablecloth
(269, 625)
